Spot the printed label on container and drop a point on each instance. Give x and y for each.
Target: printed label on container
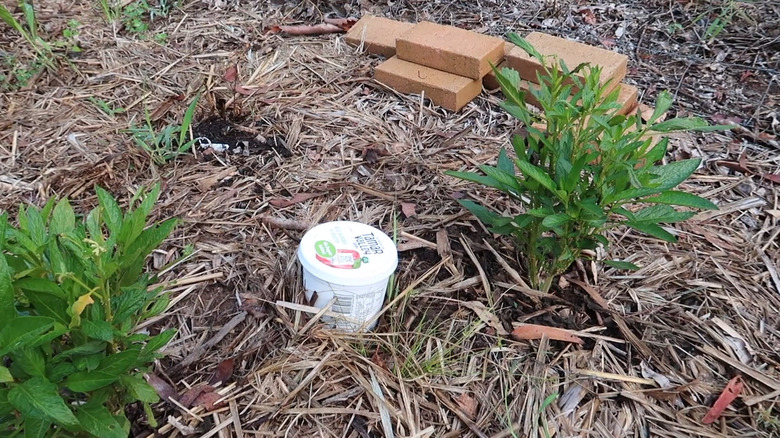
(341, 258)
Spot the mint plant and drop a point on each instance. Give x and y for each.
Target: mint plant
(588, 170)
(72, 292)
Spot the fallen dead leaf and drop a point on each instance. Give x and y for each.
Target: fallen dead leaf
(729, 394)
(484, 314)
(607, 42)
(223, 372)
(534, 331)
(163, 389)
(231, 74)
(379, 360)
(209, 401)
(467, 404)
(189, 398)
(408, 209)
(297, 198)
(164, 107)
(588, 16)
(775, 178)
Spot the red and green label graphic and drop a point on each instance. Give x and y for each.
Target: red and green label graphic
(328, 254)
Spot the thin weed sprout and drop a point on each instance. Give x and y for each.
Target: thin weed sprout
(168, 143)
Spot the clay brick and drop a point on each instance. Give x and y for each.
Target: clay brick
(377, 34)
(444, 89)
(627, 98)
(613, 65)
(451, 49)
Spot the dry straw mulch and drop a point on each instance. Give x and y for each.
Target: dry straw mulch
(660, 343)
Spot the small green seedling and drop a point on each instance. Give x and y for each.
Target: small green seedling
(588, 171)
(169, 143)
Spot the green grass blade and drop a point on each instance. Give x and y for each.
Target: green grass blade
(186, 122)
(9, 19)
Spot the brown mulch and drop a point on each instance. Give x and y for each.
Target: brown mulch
(321, 141)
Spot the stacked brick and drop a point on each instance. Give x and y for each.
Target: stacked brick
(450, 65)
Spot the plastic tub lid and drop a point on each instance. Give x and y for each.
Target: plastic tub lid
(348, 253)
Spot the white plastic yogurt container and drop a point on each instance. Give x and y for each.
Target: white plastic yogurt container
(348, 264)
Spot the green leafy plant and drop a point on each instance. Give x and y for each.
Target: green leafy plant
(169, 143)
(69, 36)
(16, 73)
(137, 16)
(588, 170)
(105, 107)
(72, 292)
(721, 15)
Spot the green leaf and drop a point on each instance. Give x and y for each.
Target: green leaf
(509, 81)
(537, 174)
(662, 104)
(7, 308)
(86, 381)
(5, 375)
(158, 342)
(24, 332)
(139, 389)
(485, 215)
(486, 181)
(98, 421)
(665, 177)
(5, 406)
(39, 398)
(131, 301)
(100, 330)
(89, 362)
(40, 285)
(31, 360)
(49, 305)
(36, 228)
(112, 214)
(36, 427)
(555, 220)
(187, 121)
(661, 214)
(63, 219)
(9, 19)
(29, 14)
(507, 181)
(59, 371)
(619, 264)
(110, 369)
(86, 349)
(683, 199)
(688, 124)
(652, 230)
(505, 164)
(525, 45)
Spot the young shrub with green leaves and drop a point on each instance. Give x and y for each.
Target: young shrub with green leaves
(72, 292)
(589, 170)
